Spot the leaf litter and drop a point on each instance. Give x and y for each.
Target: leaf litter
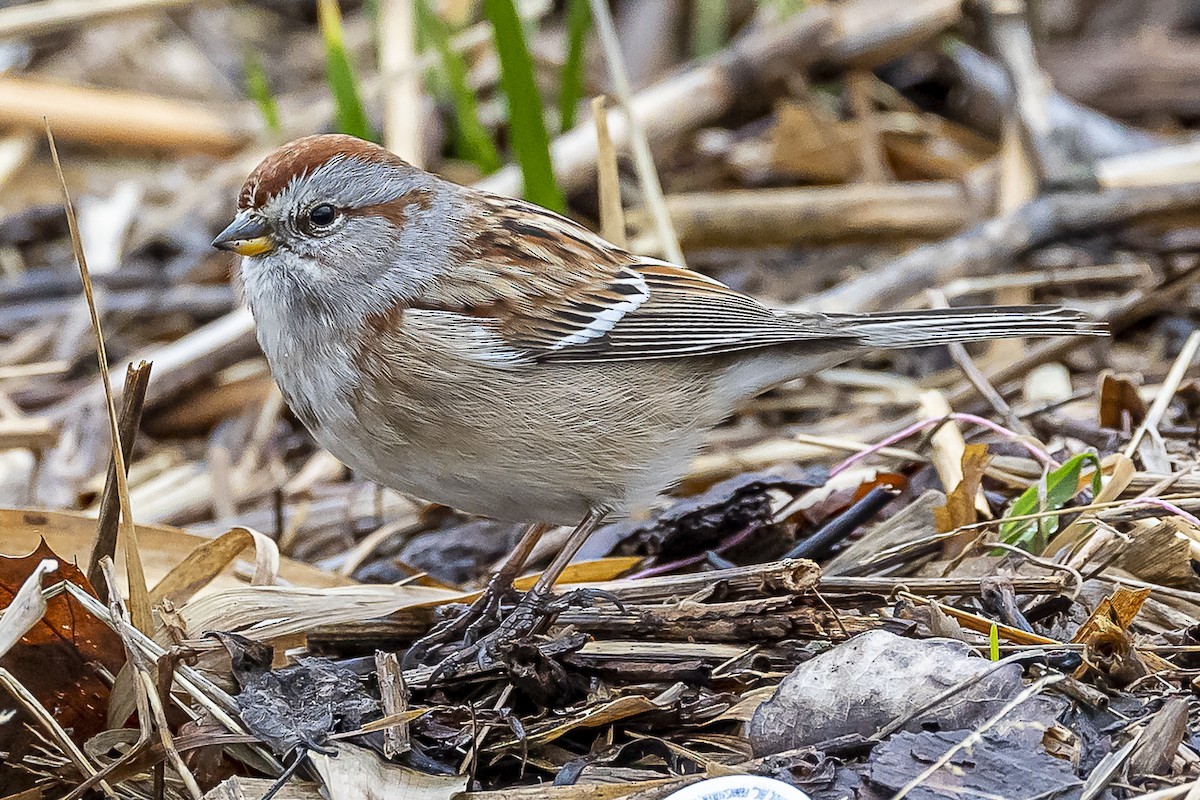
(1000, 609)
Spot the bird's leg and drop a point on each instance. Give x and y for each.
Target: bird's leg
(464, 628)
(532, 612)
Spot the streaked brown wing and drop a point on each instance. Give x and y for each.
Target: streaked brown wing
(689, 314)
(557, 292)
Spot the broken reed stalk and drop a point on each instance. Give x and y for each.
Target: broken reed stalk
(402, 106)
(139, 595)
(152, 716)
(643, 159)
(394, 696)
(1166, 392)
(133, 400)
(612, 216)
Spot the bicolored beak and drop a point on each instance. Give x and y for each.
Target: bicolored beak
(246, 235)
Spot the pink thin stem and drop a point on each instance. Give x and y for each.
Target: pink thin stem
(1037, 452)
(1160, 503)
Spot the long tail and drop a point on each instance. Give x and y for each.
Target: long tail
(970, 324)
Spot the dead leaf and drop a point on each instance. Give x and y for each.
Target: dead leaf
(210, 559)
(57, 659)
(867, 682)
(359, 774)
(960, 502)
(1110, 655)
(812, 146)
(162, 547)
(1121, 406)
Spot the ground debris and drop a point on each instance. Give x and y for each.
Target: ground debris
(862, 685)
(859, 569)
(300, 705)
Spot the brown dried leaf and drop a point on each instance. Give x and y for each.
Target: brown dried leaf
(57, 659)
(960, 503)
(1109, 652)
(1120, 404)
(1118, 609)
(812, 146)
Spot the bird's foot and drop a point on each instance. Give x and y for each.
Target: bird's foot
(531, 616)
(464, 629)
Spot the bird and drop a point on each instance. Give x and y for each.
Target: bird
(485, 353)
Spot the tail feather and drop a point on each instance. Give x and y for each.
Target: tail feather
(936, 326)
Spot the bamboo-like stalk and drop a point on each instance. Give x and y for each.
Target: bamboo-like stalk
(643, 159)
(612, 216)
(116, 118)
(402, 106)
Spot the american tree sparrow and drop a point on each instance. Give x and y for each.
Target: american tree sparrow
(485, 353)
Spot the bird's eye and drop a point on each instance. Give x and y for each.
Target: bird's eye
(320, 216)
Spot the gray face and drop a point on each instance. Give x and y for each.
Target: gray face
(363, 234)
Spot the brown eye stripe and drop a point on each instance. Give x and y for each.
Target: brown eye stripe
(395, 211)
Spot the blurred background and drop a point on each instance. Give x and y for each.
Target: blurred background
(848, 156)
(801, 151)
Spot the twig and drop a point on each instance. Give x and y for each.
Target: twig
(133, 398)
(819, 541)
(975, 375)
(643, 159)
(994, 244)
(1166, 505)
(987, 92)
(139, 597)
(1011, 40)
(1034, 450)
(1166, 392)
(612, 216)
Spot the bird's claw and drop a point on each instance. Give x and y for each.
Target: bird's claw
(578, 598)
(527, 619)
(463, 628)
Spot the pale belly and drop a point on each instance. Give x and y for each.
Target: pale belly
(549, 449)
(539, 443)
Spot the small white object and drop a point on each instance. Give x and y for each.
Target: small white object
(741, 787)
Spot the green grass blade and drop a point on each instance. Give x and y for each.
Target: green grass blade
(1050, 493)
(570, 85)
(351, 118)
(710, 26)
(994, 643)
(527, 126)
(259, 89)
(471, 137)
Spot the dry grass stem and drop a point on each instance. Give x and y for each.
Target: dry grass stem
(138, 590)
